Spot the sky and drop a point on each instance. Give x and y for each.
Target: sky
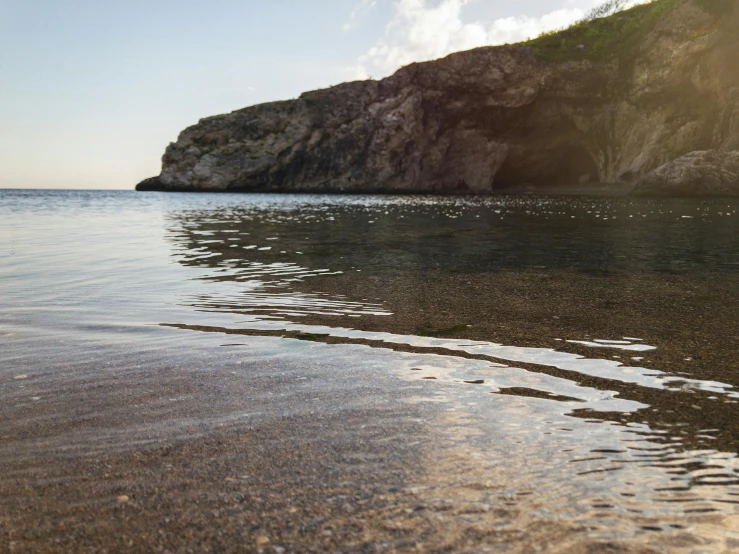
(92, 91)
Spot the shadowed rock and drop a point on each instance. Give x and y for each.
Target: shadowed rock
(150, 184)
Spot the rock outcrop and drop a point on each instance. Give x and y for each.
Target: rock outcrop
(487, 119)
(708, 173)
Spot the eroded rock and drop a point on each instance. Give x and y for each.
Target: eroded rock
(706, 173)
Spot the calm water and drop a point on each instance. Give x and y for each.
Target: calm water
(576, 355)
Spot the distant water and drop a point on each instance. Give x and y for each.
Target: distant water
(579, 351)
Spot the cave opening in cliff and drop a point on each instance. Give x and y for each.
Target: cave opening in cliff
(562, 167)
(576, 166)
(510, 175)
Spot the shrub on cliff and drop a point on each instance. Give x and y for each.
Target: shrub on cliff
(610, 32)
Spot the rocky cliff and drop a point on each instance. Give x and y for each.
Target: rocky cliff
(608, 101)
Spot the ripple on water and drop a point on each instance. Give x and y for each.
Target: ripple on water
(526, 434)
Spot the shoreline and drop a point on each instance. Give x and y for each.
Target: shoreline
(588, 190)
(593, 190)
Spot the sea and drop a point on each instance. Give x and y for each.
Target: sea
(504, 373)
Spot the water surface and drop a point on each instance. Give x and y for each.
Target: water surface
(509, 373)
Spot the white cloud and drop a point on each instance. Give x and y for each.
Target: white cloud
(420, 32)
(360, 9)
(517, 29)
(356, 73)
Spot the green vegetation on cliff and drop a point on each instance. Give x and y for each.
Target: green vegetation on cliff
(615, 36)
(717, 7)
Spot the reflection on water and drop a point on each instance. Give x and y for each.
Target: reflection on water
(581, 353)
(648, 433)
(346, 238)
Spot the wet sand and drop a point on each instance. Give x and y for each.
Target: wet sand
(201, 460)
(233, 454)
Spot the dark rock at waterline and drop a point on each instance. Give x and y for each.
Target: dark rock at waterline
(490, 119)
(152, 183)
(705, 173)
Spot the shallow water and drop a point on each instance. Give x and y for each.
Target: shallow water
(561, 370)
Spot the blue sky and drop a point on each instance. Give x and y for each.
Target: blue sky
(91, 92)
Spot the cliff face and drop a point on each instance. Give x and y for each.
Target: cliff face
(485, 120)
